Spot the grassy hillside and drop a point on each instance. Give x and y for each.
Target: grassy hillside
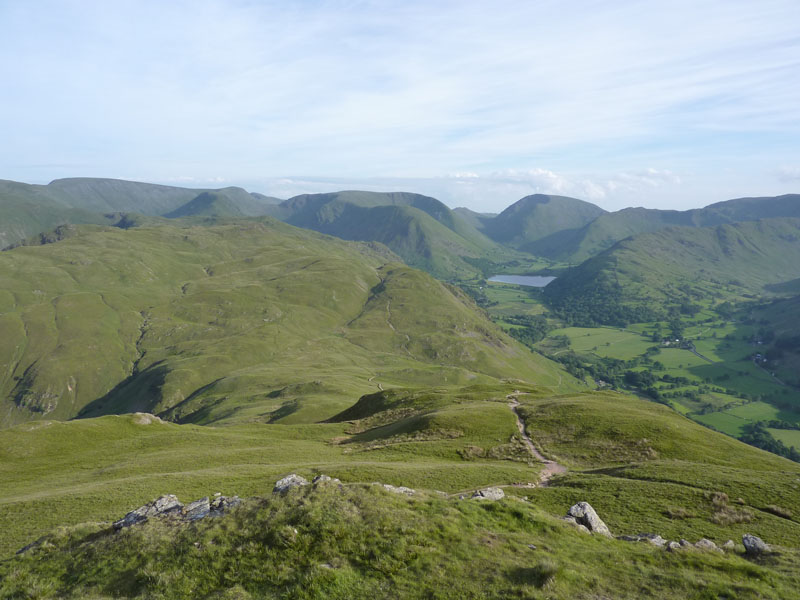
(643, 278)
(538, 216)
(247, 321)
(27, 210)
(420, 229)
(577, 245)
(329, 541)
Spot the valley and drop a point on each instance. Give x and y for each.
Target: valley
(196, 347)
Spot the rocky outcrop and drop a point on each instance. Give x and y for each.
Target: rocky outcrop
(290, 481)
(754, 546)
(585, 515)
(491, 493)
(574, 522)
(160, 506)
(170, 507)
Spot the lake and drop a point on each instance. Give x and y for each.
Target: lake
(529, 280)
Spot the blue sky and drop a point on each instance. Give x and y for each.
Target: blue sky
(663, 104)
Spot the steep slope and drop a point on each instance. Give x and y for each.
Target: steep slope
(255, 320)
(212, 204)
(642, 278)
(538, 216)
(420, 229)
(579, 244)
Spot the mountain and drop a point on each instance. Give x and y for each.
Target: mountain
(251, 320)
(26, 210)
(643, 277)
(421, 230)
(535, 217)
(577, 245)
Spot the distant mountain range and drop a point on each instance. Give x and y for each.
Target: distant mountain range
(424, 232)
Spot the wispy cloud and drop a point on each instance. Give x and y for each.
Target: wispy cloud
(408, 90)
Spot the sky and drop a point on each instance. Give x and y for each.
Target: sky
(664, 104)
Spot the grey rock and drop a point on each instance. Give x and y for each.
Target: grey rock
(586, 515)
(753, 546)
(574, 522)
(653, 538)
(199, 509)
(705, 544)
(673, 546)
(324, 479)
(685, 543)
(160, 506)
(290, 481)
(729, 546)
(398, 490)
(220, 504)
(492, 493)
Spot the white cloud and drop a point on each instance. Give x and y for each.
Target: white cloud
(255, 90)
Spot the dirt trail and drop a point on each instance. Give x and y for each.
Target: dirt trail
(551, 467)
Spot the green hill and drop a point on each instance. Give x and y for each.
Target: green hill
(643, 467)
(27, 210)
(642, 278)
(538, 216)
(420, 229)
(577, 245)
(246, 321)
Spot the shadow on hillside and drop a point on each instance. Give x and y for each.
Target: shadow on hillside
(139, 392)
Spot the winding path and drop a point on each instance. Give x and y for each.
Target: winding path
(551, 467)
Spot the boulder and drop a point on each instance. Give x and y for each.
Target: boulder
(492, 493)
(653, 538)
(673, 546)
(705, 544)
(729, 546)
(586, 515)
(290, 481)
(574, 522)
(199, 509)
(753, 546)
(324, 479)
(161, 506)
(398, 490)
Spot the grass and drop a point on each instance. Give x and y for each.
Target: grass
(363, 542)
(355, 541)
(252, 321)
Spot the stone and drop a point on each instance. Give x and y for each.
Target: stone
(160, 506)
(290, 481)
(574, 522)
(653, 538)
(220, 504)
(199, 509)
(705, 544)
(729, 546)
(492, 493)
(398, 490)
(753, 546)
(324, 479)
(586, 515)
(685, 543)
(673, 546)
